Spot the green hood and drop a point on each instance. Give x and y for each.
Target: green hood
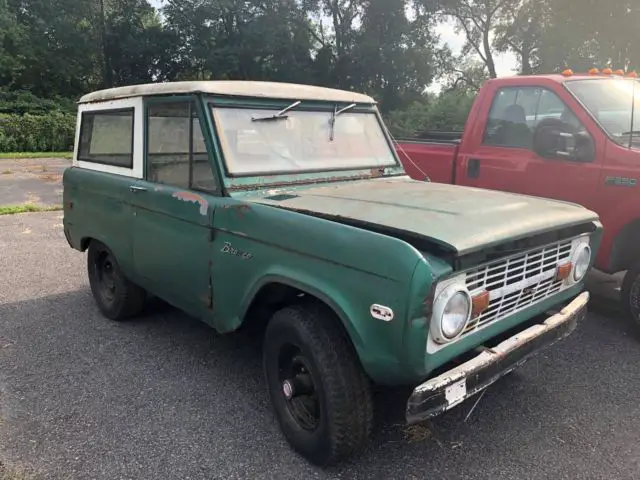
(462, 219)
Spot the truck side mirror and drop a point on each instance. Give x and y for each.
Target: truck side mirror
(550, 141)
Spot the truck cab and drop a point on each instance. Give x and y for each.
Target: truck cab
(574, 138)
(285, 207)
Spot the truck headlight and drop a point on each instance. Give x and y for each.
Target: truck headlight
(582, 259)
(451, 312)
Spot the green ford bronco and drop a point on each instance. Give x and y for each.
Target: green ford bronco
(286, 207)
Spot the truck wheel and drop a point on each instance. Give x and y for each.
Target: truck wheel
(320, 393)
(116, 296)
(630, 293)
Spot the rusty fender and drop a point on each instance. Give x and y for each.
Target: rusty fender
(451, 388)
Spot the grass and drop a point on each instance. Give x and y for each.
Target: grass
(13, 155)
(28, 207)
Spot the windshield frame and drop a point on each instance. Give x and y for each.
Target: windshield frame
(593, 117)
(269, 177)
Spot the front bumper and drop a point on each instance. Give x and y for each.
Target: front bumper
(447, 390)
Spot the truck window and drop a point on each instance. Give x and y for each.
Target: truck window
(517, 111)
(106, 137)
(176, 152)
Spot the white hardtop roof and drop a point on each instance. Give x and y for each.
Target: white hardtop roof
(239, 88)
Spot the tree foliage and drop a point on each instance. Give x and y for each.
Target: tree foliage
(61, 49)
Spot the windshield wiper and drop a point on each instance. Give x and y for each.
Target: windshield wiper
(632, 132)
(277, 116)
(334, 114)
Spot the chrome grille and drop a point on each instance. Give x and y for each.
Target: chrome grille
(517, 282)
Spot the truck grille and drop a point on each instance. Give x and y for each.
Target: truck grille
(517, 282)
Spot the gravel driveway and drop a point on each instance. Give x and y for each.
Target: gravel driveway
(164, 397)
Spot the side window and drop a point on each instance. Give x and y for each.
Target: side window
(106, 137)
(517, 111)
(176, 152)
(511, 116)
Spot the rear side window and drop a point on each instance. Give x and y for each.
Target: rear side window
(106, 137)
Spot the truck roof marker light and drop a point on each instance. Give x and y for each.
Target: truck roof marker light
(632, 74)
(607, 71)
(563, 271)
(594, 71)
(567, 73)
(619, 72)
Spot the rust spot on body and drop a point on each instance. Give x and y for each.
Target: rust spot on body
(193, 198)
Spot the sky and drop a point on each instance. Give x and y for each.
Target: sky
(506, 64)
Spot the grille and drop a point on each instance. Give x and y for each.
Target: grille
(517, 282)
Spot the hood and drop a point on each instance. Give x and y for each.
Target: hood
(462, 219)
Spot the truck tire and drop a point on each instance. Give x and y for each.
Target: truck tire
(117, 298)
(321, 396)
(630, 293)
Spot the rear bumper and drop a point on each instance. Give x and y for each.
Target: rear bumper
(447, 390)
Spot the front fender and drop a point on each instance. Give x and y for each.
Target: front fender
(350, 295)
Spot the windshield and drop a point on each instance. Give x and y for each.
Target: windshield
(258, 141)
(610, 101)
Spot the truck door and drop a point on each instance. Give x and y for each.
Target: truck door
(501, 156)
(174, 207)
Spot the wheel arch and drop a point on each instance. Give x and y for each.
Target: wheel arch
(626, 247)
(273, 292)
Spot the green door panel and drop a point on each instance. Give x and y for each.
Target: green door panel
(171, 244)
(98, 206)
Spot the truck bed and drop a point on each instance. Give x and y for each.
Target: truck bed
(432, 153)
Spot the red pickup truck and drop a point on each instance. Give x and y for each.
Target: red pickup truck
(568, 137)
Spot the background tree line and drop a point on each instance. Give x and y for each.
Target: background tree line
(53, 51)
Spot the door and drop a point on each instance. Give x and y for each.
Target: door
(502, 157)
(174, 207)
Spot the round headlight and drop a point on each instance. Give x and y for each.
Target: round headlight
(455, 315)
(451, 312)
(581, 263)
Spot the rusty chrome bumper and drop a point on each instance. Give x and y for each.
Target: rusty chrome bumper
(449, 389)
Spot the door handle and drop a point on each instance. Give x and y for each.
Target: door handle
(135, 189)
(473, 168)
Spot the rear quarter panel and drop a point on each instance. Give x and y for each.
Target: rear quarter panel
(96, 206)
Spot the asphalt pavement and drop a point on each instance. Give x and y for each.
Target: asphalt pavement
(32, 180)
(165, 397)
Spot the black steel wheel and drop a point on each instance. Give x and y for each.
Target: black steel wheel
(116, 297)
(319, 391)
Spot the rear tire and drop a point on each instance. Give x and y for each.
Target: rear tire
(319, 391)
(630, 293)
(117, 298)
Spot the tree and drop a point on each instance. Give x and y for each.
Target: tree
(477, 19)
(394, 54)
(521, 29)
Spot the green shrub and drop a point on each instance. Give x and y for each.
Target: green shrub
(51, 132)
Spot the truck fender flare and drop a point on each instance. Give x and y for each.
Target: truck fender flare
(319, 293)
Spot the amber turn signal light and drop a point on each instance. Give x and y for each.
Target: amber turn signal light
(479, 303)
(563, 271)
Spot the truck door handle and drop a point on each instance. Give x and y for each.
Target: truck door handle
(135, 189)
(473, 168)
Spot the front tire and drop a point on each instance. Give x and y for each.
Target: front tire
(116, 297)
(320, 393)
(630, 293)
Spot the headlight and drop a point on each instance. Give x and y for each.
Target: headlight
(582, 258)
(451, 313)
